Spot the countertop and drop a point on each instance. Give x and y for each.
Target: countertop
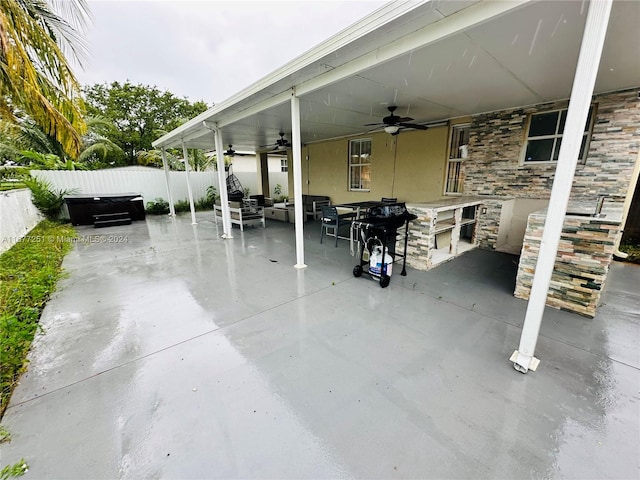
(448, 203)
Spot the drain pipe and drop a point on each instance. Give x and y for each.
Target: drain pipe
(626, 206)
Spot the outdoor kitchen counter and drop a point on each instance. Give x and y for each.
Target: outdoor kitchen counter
(449, 226)
(584, 255)
(449, 203)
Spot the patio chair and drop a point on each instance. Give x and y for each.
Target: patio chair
(331, 220)
(389, 200)
(234, 187)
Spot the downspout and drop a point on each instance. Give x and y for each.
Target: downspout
(626, 206)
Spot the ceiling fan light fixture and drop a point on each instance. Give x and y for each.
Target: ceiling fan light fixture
(391, 129)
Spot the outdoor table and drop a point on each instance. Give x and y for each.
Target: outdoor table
(358, 207)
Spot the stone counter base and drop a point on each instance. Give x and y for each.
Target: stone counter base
(584, 255)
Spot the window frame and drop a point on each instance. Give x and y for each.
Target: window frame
(458, 159)
(587, 133)
(284, 164)
(360, 165)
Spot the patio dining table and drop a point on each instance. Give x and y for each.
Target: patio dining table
(358, 207)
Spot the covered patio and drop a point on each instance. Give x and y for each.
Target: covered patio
(173, 353)
(440, 63)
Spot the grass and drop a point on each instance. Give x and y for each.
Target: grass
(632, 248)
(29, 272)
(13, 471)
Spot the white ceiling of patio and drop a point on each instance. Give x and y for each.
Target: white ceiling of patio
(523, 55)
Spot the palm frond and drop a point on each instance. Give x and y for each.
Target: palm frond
(35, 75)
(98, 150)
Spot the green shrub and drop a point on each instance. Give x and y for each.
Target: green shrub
(29, 272)
(11, 185)
(205, 203)
(212, 194)
(632, 248)
(181, 206)
(158, 207)
(12, 178)
(47, 200)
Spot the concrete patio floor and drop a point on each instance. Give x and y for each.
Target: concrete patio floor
(170, 353)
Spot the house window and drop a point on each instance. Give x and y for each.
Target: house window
(283, 165)
(457, 153)
(544, 136)
(360, 164)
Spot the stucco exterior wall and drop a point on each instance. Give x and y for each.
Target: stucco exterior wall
(409, 166)
(494, 165)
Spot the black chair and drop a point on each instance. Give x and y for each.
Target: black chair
(388, 200)
(331, 220)
(259, 199)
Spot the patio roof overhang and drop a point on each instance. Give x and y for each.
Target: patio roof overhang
(435, 60)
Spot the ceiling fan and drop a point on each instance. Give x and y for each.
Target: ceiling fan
(280, 145)
(232, 153)
(392, 123)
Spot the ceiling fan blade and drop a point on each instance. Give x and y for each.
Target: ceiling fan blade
(404, 119)
(413, 125)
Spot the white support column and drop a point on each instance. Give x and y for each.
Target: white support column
(585, 77)
(297, 178)
(186, 171)
(165, 166)
(222, 185)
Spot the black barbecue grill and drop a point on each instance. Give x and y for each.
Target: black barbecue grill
(380, 227)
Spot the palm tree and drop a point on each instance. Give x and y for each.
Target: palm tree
(198, 160)
(26, 143)
(35, 76)
(97, 149)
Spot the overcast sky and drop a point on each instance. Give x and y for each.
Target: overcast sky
(207, 50)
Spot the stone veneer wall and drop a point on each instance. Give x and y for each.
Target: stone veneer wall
(582, 263)
(496, 141)
(489, 224)
(421, 238)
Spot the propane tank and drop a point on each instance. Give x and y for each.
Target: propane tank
(375, 261)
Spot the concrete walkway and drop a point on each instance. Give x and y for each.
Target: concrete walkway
(169, 353)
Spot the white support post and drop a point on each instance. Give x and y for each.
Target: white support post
(165, 166)
(222, 185)
(186, 171)
(585, 77)
(297, 179)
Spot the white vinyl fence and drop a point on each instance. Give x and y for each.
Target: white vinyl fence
(18, 216)
(149, 182)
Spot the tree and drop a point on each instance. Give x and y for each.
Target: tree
(35, 76)
(98, 151)
(138, 113)
(199, 161)
(25, 143)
